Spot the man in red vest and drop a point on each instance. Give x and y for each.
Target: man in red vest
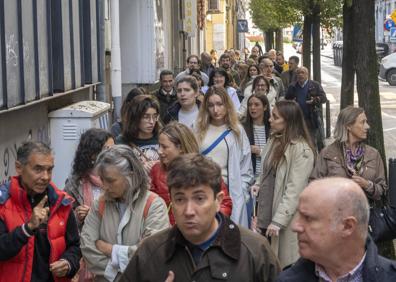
(39, 239)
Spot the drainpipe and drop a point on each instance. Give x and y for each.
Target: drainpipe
(100, 90)
(116, 86)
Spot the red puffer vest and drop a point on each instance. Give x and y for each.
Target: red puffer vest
(159, 186)
(15, 210)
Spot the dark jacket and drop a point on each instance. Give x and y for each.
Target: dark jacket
(250, 134)
(288, 77)
(236, 255)
(165, 101)
(159, 186)
(173, 112)
(316, 92)
(375, 268)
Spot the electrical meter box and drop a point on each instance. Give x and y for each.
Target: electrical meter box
(66, 126)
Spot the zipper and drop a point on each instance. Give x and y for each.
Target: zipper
(50, 243)
(27, 247)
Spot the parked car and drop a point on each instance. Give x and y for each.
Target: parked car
(388, 69)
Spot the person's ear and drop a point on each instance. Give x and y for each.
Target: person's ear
(219, 199)
(18, 167)
(349, 226)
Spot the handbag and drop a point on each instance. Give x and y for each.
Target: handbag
(382, 223)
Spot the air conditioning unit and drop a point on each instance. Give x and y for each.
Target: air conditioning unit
(214, 7)
(66, 126)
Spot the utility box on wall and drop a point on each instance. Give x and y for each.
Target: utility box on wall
(66, 126)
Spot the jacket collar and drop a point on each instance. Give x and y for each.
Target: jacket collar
(55, 196)
(228, 240)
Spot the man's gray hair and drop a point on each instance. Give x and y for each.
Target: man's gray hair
(124, 159)
(346, 117)
(27, 148)
(351, 203)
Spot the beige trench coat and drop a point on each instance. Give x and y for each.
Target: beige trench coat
(127, 231)
(291, 178)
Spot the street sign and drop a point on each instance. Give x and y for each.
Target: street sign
(297, 33)
(392, 35)
(393, 16)
(388, 24)
(243, 26)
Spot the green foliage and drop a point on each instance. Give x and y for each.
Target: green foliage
(273, 14)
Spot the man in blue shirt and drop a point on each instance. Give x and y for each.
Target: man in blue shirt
(309, 94)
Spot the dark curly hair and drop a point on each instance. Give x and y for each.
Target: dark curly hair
(91, 144)
(222, 72)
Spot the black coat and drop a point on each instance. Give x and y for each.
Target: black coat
(172, 113)
(375, 268)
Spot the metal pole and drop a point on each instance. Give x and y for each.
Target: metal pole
(100, 90)
(116, 84)
(328, 129)
(392, 182)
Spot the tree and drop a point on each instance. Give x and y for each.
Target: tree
(272, 15)
(359, 56)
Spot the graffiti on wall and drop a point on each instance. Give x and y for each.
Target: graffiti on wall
(9, 152)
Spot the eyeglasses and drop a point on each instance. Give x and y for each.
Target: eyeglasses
(149, 118)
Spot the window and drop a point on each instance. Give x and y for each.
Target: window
(214, 7)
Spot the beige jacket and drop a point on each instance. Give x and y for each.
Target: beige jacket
(291, 178)
(124, 233)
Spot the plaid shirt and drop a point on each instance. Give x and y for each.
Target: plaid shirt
(355, 275)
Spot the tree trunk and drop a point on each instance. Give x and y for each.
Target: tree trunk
(348, 58)
(316, 64)
(367, 83)
(269, 40)
(279, 40)
(306, 56)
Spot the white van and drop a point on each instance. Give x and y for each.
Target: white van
(388, 69)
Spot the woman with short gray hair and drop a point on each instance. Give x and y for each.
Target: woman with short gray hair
(349, 157)
(124, 215)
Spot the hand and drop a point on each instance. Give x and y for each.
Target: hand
(60, 268)
(361, 181)
(255, 150)
(253, 226)
(272, 230)
(171, 277)
(104, 247)
(255, 189)
(311, 101)
(82, 212)
(39, 214)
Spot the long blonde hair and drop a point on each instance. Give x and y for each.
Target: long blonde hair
(231, 118)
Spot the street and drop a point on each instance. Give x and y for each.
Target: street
(331, 82)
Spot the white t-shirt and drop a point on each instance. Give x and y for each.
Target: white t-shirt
(188, 118)
(220, 153)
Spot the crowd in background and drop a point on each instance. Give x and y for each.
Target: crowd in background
(258, 120)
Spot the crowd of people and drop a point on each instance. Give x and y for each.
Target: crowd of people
(221, 174)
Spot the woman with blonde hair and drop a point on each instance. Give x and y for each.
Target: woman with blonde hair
(222, 138)
(348, 156)
(176, 139)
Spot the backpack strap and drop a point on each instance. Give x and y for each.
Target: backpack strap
(147, 206)
(102, 206)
